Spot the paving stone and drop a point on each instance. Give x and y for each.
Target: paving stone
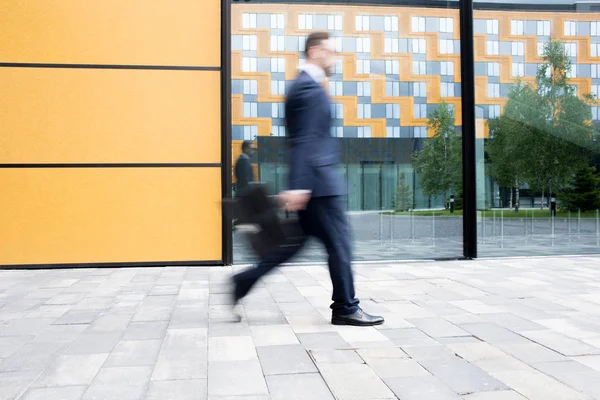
(437, 327)
(420, 388)
(298, 387)
(573, 374)
(119, 383)
(354, 382)
(145, 330)
(409, 337)
(9, 345)
(512, 322)
(72, 370)
(360, 334)
(396, 368)
(475, 307)
(283, 360)
(14, 384)
(231, 348)
(336, 356)
(178, 390)
(537, 386)
(32, 357)
(326, 340)
(55, 393)
(110, 323)
(495, 334)
(236, 378)
(73, 317)
(503, 395)
(60, 334)
(531, 353)
(561, 344)
(273, 335)
(183, 355)
(590, 361)
(94, 343)
(476, 351)
(378, 353)
(27, 327)
(134, 353)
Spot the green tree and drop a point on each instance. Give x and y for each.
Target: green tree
(584, 192)
(439, 162)
(403, 199)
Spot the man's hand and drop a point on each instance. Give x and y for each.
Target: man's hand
(294, 200)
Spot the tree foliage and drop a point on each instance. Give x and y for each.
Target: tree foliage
(584, 193)
(403, 199)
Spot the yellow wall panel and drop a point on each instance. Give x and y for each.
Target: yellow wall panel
(74, 215)
(108, 116)
(157, 32)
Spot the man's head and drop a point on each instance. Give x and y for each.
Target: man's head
(247, 148)
(319, 51)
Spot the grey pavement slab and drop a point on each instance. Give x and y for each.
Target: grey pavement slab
(490, 329)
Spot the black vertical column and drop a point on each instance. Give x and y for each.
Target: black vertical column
(468, 129)
(227, 231)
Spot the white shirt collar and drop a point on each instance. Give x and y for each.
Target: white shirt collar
(314, 71)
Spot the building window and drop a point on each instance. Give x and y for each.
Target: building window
(362, 23)
(493, 69)
(338, 68)
(420, 110)
(392, 67)
(572, 72)
(277, 21)
(278, 88)
(250, 132)
(417, 24)
(336, 88)
(277, 43)
(517, 27)
(541, 49)
(277, 130)
(364, 131)
(420, 89)
(570, 28)
(249, 42)
(334, 22)
(278, 65)
(390, 45)
(364, 111)
(446, 25)
(392, 89)
(337, 111)
(518, 48)
(595, 49)
(518, 69)
(493, 47)
(419, 46)
(420, 132)
(447, 68)
(392, 111)
(494, 111)
(250, 87)
(363, 45)
(249, 64)
(337, 131)
(446, 46)
(337, 44)
(571, 49)
(305, 21)
(390, 24)
(595, 28)
(419, 68)
(277, 110)
(363, 89)
(302, 43)
(447, 89)
(248, 21)
(543, 28)
(392, 131)
(492, 26)
(595, 71)
(363, 67)
(250, 110)
(595, 113)
(494, 90)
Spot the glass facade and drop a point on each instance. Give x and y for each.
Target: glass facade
(396, 109)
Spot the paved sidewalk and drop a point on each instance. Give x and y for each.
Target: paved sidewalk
(479, 330)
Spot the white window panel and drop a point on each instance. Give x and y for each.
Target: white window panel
(518, 69)
(447, 89)
(595, 49)
(419, 46)
(420, 131)
(492, 47)
(336, 88)
(447, 68)
(494, 111)
(337, 44)
(420, 110)
(572, 72)
(390, 24)
(337, 131)
(392, 67)
(249, 42)
(277, 64)
(334, 22)
(419, 68)
(517, 27)
(420, 89)
(518, 48)
(302, 43)
(337, 111)
(277, 110)
(392, 131)
(363, 45)
(570, 28)
(338, 68)
(446, 46)
(248, 21)
(595, 113)
(492, 26)
(364, 131)
(391, 45)
(595, 28)
(278, 88)
(447, 25)
(494, 90)
(362, 23)
(305, 21)
(392, 111)
(493, 69)
(575, 89)
(392, 89)
(277, 43)
(364, 111)
(277, 130)
(595, 70)
(543, 28)
(417, 24)
(363, 89)
(250, 110)
(250, 87)
(571, 49)
(363, 67)
(250, 132)
(541, 47)
(277, 21)
(249, 64)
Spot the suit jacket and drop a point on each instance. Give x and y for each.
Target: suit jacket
(243, 173)
(313, 153)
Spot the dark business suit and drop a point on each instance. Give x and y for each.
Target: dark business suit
(243, 173)
(313, 157)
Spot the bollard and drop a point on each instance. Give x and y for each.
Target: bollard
(433, 227)
(502, 228)
(412, 226)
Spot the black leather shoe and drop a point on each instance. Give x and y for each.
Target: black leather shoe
(359, 318)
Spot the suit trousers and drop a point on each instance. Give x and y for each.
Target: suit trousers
(324, 219)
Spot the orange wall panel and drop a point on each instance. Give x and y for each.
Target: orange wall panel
(109, 116)
(72, 215)
(156, 32)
